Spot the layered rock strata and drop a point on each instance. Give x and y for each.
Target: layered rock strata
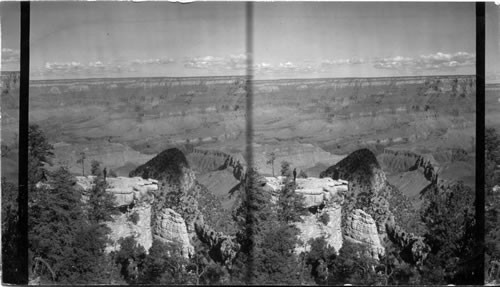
(369, 203)
(324, 198)
(135, 197)
(361, 228)
(170, 227)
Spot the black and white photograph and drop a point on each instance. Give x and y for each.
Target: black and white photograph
(262, 143)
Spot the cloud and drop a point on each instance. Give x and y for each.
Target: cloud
(231, 62)
(341, 62)
(207, 62)
(99, 67)
(282, 68)
(235, 62)
(10, 55)
(394, 63)
(63, 66)
(158, 61)
(438, 61)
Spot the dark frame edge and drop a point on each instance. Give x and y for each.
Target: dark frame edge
(23, 143)
(480, 133)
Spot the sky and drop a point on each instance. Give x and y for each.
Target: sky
(492, 45)
(289, 40)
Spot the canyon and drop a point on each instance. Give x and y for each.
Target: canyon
(378, 138)
(311, 123)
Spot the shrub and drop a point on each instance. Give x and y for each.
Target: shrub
(134, 217)
(285, 168)
(324, 218)
(112, 173)
(95, 167)
(302, 174)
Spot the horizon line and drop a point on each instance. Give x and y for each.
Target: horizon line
(234, 76)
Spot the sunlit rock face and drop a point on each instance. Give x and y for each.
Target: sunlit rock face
(361, 228)
(123, 227)
(323, 197)
(133, 198)
(125, 189)
(317, 191)
(313, 227)
(171, 228)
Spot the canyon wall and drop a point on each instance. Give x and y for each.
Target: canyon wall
(324, 197)
(308, 122)
(336, 116)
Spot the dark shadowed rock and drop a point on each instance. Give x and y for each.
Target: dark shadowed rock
(371, 191)
(361, 169)
(223, 248)
(413, 248)
(169, 166)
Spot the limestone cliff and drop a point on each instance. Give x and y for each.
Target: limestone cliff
(133, 196)
(170, 227)
(122, 227)
(126, 190)
(361, 228)
(313, 227)
(368, 202)
(324, 198)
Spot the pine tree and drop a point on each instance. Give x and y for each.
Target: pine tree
(448, 214)
(9, 232)
(56, 215)
(164, 265)
(101, 204)
(353, 265)
(40, 152)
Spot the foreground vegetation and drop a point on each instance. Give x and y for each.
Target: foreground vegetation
(68, 236)
(492, 206)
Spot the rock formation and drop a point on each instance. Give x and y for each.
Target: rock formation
(170, 167)
(123, 227)
(132, 196)
(313, 227)
(368, 202)
(136, 196)
(170, 227)
(125, 189)
(361, 228)
(413, 247)
(324, 198)
(321, 191)
(361, 169)
(223, 248)
(316, 191)
(204, 160)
